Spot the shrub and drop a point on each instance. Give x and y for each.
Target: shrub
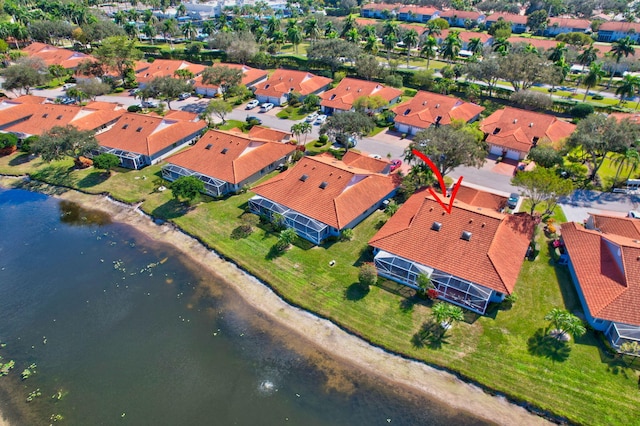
(25, 145)
(432, 293)
(250, 219)
(242, 231)
(581, 110)
(134, 108)
(597, 97)
(393, 80)
(118, 90)
(347, 234)
(531, 100)
(324, 139)
(409, 92)
(367, 275)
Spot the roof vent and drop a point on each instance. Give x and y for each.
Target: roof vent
(470, 220)
(424, 103)
(531, 124)
(224, 151)
(125, 126)
(466, 235)
(483, 224)
(438, 118)
(208, 146)
(323, 185)
(266, 86)
(437, 105)
(304, 177)
(515, 120)
(139, 129)
(435, 226)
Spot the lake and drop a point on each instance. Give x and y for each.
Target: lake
(124, 330)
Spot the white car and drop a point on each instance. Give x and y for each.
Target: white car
(252, 104)
(311, 117)
(266, 107)
(321, 119)
(67, 86)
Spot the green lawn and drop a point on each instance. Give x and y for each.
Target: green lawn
(293, 113)
(501, 351)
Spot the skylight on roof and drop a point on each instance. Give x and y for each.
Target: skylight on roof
(59, 117)
(323, 185)
(125, 127)
(466, 235)
(139, 129)
(45, 115)
(304, 177)
(208, 146)
(435, 226)
(224, 151)
(407, 111)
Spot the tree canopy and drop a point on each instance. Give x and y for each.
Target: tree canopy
(59, 142)
(166, 88)
(26, 74)
(542, 185)
(222, 76)
(348, 123)
(186, 188)
(328, 52)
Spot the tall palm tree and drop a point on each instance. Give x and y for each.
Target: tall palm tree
(312, 28)
(627, 87)
(475, 46)
(410, 39)
(294, 35)
(329, 28)
(169, 28)
(367, 31)
(238, 24)
(433, 29)
(501, 45)
(428, 49)
(629, 159)
(588, 55)
(189, 30)
(389, 41)
(451, 46)
(150, 31)
(391, 27)
(593, 78)
(273, 25)
(558, 52)
(371, 45)
(349, 24)
(352, 36)
(208, 27)
(620, 48)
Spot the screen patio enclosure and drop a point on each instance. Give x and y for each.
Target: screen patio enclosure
(212, 186)
(619, 333)
(450, 288)
(306, 227)
(129, 160)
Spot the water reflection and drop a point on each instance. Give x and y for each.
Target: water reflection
(75, 215)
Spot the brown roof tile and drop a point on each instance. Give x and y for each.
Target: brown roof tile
(360, 161)
(492, 257)
(146, 71)
(509, 17)
(422, 110)
(348, 193)
(52, 55)
(348, 90)
(267, 133)
(283, 81)
(582, 24)
(619, 26)
(614, 225)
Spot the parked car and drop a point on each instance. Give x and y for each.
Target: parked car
(321, 119)
(395, 164)
(184, 96)
(134, 92)
(68, 86)
(311, 117)
(253, 119)
(252, 104)
(512, 202)
(344, 140)
(376, 156)
(65, 100)
(266, 107)
(633, 214)
(149, 104)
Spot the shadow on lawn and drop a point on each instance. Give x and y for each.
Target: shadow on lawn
(171, 209)
(355, 292)
(93, 179)
(543, 345)
(431, 335)
(20, 159)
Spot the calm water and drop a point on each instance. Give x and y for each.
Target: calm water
(125, 330)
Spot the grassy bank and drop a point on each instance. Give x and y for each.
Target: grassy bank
(501, 351)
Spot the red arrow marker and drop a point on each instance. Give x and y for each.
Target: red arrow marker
(434, 169)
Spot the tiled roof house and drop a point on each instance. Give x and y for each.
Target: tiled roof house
(342, 97)
(512, 132)
(615, 30)
(379, 10)
(52, 55)
(320, 196)
(518, 22)
(227, 161)
(428, 109)
(604, 262)
(557, 26)
(282, 82)
(457, 18)
(250, 77)
(473, 255)
(140, 140)
(147, 71)
(414, 13)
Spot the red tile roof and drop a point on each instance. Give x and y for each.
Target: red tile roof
(38, 118)
(230, 156)
(349, 192)
(249, 75)
(176, 114)
(284, 81)
(27, 99)
(147, 135)
(492, 257)
(535, 42)
(460, 14)
(509, 17)
(421, 110)
(363, 22)
(103, 105)
(623, 27)
(348, 90)
(582, 24)
(418, 10)
(475, 197)
(518, 127)
(615, 225)
(360, 161)
(52, 55)
(465, 36)
(267, 133)
(381, 6)
(608, 271)
(146, 71)
(634, 117)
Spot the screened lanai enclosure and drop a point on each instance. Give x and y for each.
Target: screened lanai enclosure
(306, 227)
(452, 289)
(212, 186)
(619, 333)
(129, 160)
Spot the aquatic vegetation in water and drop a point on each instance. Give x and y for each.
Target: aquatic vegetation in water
(4, 368)
(33, 395)
(28, 372)
(60, 393)
(56, 418)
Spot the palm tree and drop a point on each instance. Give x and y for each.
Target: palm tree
(565, 323)
(391, 27)
(620, 48)
(629, 159)
(558, 52)
(294, 35)
(501, 45)
(329, 28)
(273, 25)
(19, 33)
(451, 46)
(352, 36)
(389, 41)
(311, 28)
(530, 48)
(593, 78)
(367, 31)
(475, 46)
(238, 24)
(433, 29)
(627, 87)
(189, 30)
(428, 49)
(349, 24)
(208, 27)
(150, 31)
(410, 39)
(169, 28)
(588, 55)
(446, 314)
(131, 29)
(371, 45)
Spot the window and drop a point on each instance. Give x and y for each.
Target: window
(435, 226)
(496, 130)
(304, 177)
(466, 235)
(59, 117)
(139, 129)
(125, 127)
(323, 185)
(45, 115)
(208, 146)
(224, 151)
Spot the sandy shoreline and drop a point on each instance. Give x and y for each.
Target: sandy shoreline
(416, 376)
